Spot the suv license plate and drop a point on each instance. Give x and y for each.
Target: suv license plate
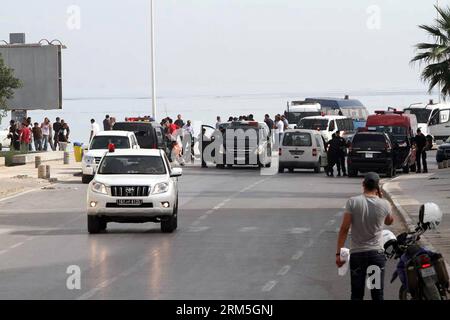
(428, 272)
(125, 202)
(369, 155)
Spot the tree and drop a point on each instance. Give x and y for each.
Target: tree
(8, 83)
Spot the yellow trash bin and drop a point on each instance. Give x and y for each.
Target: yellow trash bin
(78, 152)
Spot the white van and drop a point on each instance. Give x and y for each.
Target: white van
(433, 119)
(328, 125)
(302, 149)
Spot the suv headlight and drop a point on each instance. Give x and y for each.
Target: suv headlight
(89, 160)
(98, 187)
(159, 188)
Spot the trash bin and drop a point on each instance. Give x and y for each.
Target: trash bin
(78, 151)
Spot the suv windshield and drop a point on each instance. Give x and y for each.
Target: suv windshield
(314, 124)
(365, 141)
(143, 131)
(102, 142)
(422, 115)
(152, 165)
(297, 139)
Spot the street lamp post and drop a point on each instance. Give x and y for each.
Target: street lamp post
(152, 13)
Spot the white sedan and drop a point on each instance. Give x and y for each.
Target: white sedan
(134, 186)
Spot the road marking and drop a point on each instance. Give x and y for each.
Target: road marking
(220, 205)
(269, 286)
(203, 217)
(20, 194)
(195, 223)
(248, 229)
(5, 231)
(299, 230)
(3, 251)
(283, 271)
(198, 229)
(298, 255)
(17, 245)
(209, 212)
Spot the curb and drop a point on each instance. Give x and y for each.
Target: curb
(407, 221)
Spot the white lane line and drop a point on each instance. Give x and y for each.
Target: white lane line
(195, 223)
(227, 200)
(298, 255)
(5, 231)
(17, 245)
(269, 286)
(220, 205)
(283, 271)
(3, 251)
(198, 229)
(299, 230)
(203, 217)
(248, 229)
(19, 194)
(209, 212)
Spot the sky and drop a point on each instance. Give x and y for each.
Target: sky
(228, 47)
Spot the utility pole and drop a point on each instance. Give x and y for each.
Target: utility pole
(152, 14)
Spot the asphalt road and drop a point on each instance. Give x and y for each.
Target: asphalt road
(242, 235)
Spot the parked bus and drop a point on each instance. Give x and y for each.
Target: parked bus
(297, 110)
(347, 107)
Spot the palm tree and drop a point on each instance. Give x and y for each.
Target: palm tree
(436, 55)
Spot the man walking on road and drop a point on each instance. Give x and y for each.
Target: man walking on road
(366, 215)
(333, 151)
(342, 155)
(421, 153)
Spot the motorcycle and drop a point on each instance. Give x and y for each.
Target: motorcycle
(423, 273)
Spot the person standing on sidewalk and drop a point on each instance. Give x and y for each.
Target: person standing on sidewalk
(366, 216)
(37, 137)
(95, 129)
(63, 136)
(56, 128)
(25, 138)
(107, 123)
(421, 153)
(46, 128)
(14, 135)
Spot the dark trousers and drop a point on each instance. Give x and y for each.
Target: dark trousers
(359, 264)
(332, 161)
(421, 156)
(341, 165)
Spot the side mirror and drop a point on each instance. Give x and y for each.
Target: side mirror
(430, 216)
(176, 173)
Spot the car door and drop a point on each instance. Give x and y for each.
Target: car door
(322, 150)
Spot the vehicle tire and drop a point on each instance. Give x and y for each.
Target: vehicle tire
(94, 225)
(318, 168)
(406, 169)
(291, 170)
(171, 224)
(281, 170)
(229, 166)
(269, 165)
(103, 225)
(430, 291)
(85, 179)
(220, 166)
(352, 173)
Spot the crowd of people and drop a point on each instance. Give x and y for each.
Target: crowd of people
(29, 136)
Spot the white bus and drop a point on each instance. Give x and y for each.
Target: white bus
(433, 119)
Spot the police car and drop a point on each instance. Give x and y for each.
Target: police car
(99, 146)
(134, 186)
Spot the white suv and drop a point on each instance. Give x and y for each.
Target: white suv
(99, 146)
(134, 186)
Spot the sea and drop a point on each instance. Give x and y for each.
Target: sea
(203, 109)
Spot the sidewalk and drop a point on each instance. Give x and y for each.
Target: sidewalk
(18, 179)
(409, 192)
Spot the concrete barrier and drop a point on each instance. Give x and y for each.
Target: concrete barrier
(22, 159)
(42, 172)
(2, 161)
(445, 162)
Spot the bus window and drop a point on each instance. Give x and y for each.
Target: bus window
(332, 126)
(445, 116)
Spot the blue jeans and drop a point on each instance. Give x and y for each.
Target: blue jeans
(359, 263)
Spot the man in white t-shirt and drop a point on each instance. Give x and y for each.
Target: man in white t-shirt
(95, 129)
(279, 126)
